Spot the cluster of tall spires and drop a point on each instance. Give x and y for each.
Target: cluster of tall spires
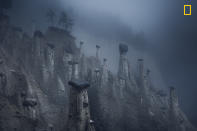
(79, 112)
(79, 118)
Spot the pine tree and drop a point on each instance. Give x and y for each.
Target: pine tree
(51, 15)
(65, 21)
(5, 4)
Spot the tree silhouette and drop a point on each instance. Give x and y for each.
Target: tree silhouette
(51, 15)
(65, 21)
(5, 4)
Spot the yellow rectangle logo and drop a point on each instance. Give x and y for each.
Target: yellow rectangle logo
(187, 9)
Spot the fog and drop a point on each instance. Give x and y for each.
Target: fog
(154, 30)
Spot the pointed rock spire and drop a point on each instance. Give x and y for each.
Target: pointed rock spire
(97, 51)
(79, 113)
(141, 68)
(104, 72)
(173, 97)
(81, 43)
(75, 71)
(104, 62)
(123, 62)
(97, 72)
(33, 27)
(173, 112)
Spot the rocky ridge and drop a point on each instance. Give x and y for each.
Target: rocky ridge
(34, 90)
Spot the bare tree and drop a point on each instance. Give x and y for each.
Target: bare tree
(51, 15)
(65, 21)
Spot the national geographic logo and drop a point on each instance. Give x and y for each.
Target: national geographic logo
(188, 7)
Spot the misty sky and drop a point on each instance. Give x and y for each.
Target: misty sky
(154, 29)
